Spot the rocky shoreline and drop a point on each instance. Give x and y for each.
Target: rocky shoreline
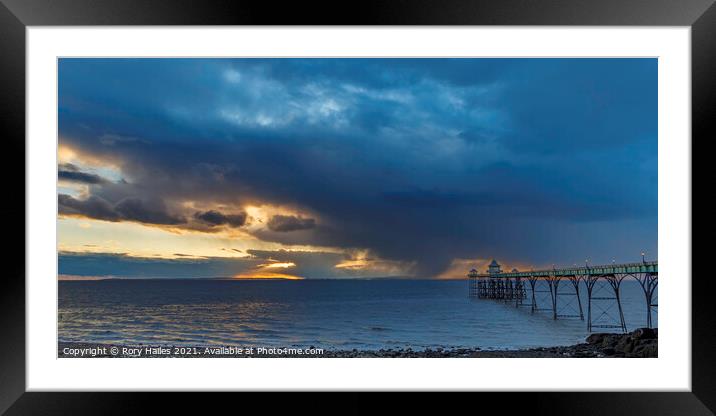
(641, 343)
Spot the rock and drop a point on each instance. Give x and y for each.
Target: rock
(645, 348)
(641, 342)
(625, 345)
(596, 338)
(650, 350)
(611, 340)
(643, 333)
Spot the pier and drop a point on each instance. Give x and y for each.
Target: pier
(557, 291)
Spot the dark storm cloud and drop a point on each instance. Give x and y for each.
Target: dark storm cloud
(285, 223)
(93, 207)
(212, 217)
(417, 160)
(128, 209)
(150, 212)
(81, 177)
(70, 172)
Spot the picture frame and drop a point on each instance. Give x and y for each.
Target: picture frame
(16, 15)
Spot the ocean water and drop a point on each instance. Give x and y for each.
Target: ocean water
(332, 314)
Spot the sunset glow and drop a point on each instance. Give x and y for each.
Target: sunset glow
(268, 275)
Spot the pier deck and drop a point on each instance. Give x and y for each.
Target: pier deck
(602, 283)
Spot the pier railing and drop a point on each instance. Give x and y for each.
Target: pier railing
(643, 267)
(541, 290)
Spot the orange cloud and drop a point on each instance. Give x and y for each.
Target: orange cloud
(266, 275)
(285, 265)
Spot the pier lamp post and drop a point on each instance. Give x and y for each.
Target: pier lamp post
(643, 259)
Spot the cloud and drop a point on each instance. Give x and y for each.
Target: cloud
(151, 212)
(70, 172)
(128, 209)
(286, 223)
(92, 207)
(212, 218)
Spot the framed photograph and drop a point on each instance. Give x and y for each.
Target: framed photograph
(463, 196)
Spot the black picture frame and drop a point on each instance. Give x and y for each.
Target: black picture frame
(16, 15)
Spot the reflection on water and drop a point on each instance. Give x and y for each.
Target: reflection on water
(346, 314)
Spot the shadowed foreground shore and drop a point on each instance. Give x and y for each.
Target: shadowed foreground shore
(641, 343)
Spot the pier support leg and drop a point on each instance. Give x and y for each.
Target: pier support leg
(649, 283)
(575, 283)
(533, 283)
(590, 281)
(615, 281)
(509, 289)
(553, 282)
(519, 292)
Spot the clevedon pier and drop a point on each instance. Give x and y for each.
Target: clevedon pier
(561, 292)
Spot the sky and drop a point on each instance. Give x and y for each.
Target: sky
(339, 168)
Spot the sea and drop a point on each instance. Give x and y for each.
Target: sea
(332, 314)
